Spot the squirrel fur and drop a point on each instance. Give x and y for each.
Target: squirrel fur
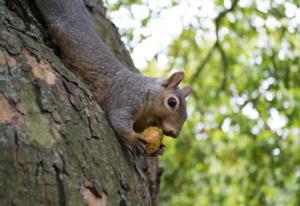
(131, 101)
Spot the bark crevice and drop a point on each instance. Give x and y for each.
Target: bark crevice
(58, 139)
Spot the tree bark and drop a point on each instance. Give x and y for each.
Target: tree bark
(57, 148)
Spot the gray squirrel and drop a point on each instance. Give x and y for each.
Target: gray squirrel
(131, 101)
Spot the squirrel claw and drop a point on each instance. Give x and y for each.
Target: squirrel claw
(141, 147)
(143, 140)
(160, 151)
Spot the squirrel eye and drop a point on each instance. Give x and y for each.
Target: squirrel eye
(172, 102)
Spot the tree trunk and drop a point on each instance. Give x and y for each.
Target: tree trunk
(57, 148)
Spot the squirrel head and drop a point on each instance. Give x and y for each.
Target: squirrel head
(169, 105)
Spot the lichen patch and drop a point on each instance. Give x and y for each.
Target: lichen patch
(5, 58)
(38, 124)
(11, 61)
(41, 69)
(7, 112)
(92, 199)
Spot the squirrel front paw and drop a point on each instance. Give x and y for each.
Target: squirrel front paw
(137, 144)
(160, 151)
(140, 146)
(149, 142)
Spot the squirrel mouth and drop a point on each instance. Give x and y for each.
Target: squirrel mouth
(170, 134)
(155, 124)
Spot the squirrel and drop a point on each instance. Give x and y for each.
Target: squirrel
(131, 102)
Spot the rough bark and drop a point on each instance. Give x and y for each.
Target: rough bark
(57, 147)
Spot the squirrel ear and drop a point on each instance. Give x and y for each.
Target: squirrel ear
(187, 90)
(173, 80)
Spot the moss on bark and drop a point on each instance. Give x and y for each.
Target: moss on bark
(57, 147)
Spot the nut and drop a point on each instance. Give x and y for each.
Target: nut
(153, 136)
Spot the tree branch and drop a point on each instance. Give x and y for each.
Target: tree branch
(203, 64)
(223, 13)
(218, 46)
(224, 64)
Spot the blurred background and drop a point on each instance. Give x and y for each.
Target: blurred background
(241, 143)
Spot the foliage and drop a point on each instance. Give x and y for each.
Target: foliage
(241, 144)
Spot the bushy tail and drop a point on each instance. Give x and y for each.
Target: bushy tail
(71, 26)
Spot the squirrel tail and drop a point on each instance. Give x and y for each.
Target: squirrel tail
(71, 26)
